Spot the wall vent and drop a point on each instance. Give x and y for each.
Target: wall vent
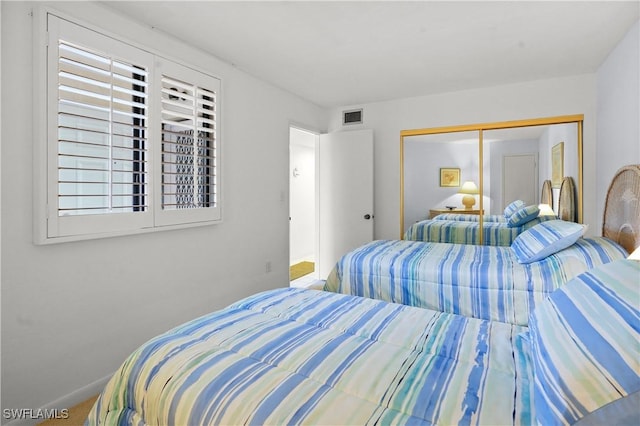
(352, 116)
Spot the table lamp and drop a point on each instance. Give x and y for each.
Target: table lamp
(469, 189)
(545, 210)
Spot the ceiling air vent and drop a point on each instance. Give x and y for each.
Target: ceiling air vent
(353, 116)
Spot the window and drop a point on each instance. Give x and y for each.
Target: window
(132, 138)
(189, 154)
(102, 134)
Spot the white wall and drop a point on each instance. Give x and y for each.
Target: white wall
(618, 107)
(72, 312)
(302, 194)
(544, 98)
(568, 134)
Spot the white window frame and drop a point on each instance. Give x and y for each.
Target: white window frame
(49, 226)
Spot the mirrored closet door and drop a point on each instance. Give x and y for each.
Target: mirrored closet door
(481, 168)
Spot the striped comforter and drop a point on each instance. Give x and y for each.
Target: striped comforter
(468, 232)
(477, 281)
(293, 356)
(584, 346)
(471, 217)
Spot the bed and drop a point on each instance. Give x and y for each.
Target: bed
(496, 230)
(494, 233)
(491, 282)
(299, 356)
(485, 282)
(566, 204)
(508, 211)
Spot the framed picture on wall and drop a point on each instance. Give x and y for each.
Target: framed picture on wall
(449, 177)
(557, 165)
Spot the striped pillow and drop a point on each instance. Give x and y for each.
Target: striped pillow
(523, 215)
(544, 239)
(513, 207)
(584, 344)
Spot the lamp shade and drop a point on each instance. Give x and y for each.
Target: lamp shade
(546, 210)
(468, 188)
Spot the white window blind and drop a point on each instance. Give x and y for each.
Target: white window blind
(189, 154)
(102, 133)
(188, 145)
(132, 139)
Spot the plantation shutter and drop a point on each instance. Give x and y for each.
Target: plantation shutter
(102, 134)
(132, 140)
(99, 165)
(189, 135)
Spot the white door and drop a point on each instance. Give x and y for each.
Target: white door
(345, 164)
(520, 179)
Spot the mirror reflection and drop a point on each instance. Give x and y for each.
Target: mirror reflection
(517, 160)
(436, 166)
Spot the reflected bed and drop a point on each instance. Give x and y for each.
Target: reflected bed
(496, 233)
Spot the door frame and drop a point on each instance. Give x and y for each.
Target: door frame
(315, 274)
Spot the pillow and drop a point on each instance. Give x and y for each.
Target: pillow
(523, 215)
(583, 343)
(544, 239)
(513, 207)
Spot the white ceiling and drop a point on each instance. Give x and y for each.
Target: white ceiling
(337, 53)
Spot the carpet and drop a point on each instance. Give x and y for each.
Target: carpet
(300, 270)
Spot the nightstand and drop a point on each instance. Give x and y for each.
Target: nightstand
(434, 212)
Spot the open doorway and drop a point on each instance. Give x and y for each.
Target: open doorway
(303, 239)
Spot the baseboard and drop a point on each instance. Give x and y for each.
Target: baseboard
(67, 401)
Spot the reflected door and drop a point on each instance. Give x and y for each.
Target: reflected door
(520, 179)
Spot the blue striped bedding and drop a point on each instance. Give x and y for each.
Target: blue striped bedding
(471, 217)
(584, 343)
(468, 232)
(483, 282)
(294, 356)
